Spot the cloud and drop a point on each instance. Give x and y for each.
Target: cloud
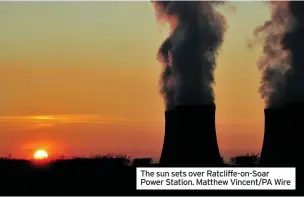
(43, 121)
(54, 119)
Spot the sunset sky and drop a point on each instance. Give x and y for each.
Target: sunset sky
(81, 78)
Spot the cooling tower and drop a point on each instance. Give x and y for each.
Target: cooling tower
(274, 141)
(282, 139)
(168, 154)
(293, 149)
(196, 136)
(294, 134)
(283, 132)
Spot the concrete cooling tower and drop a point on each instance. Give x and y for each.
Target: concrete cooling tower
(282, 137)
(294, 134)
(196, 136)
(293, 153)
(275, 126)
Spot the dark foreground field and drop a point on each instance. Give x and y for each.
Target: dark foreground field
(97, 176)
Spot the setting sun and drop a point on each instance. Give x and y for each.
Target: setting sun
(40, 154)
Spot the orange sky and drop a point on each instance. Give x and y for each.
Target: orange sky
(91, 68)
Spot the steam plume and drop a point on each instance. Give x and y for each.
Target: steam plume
(197, 33)
(167, 79)
(294, 42)
(275, 60)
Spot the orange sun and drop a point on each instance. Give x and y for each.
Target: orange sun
(40, 154)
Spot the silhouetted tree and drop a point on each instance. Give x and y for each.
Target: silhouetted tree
(245, 160)
(114, 159)
(142, 162)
